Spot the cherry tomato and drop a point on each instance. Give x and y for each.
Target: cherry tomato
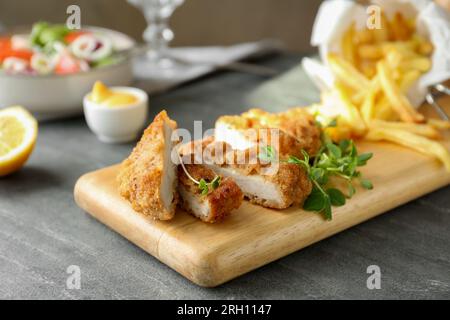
(6, 51)
(74, 35)
(5, 44)
(21, 54)
(67, 65)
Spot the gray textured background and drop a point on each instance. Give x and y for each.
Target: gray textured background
(42, 231)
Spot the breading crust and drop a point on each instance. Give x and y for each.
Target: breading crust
(298, 130)
(141, 173)
(222, 201)
(292, 180)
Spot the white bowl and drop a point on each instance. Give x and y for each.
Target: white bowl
(117, 124)
(58, 96)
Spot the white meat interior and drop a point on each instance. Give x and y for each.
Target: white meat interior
(252, 185)
(199, 208)
(170, 171)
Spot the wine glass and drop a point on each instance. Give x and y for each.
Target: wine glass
(158, 35)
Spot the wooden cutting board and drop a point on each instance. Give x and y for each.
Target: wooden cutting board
(210, 255)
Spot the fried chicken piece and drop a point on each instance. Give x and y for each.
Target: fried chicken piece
(148, 177)
(274, 185)
(214, 206)
(288, 187)
(297, 130)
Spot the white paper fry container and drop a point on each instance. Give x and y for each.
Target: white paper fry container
(336, 16)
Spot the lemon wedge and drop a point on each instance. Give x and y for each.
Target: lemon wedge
(106, 97)
(100, 92)
(18, 134)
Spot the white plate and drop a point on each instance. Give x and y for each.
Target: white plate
(59, 96)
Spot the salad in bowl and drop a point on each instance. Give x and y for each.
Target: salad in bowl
(49, 69)
(55, 49)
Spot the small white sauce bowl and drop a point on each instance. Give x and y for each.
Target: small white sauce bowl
(118, 124)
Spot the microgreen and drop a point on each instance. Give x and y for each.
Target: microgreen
(203, 185)
(339, 160)
(267, 154)
(333, 123)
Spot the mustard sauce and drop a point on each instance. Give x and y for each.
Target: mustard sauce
(104, 96)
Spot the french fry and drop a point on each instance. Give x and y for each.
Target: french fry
(413, 141)
(364, 36)
(396, 98)
(370, 51)
(424, 47)
(326, 112)
(406, 48)
(347, 73)
(411, 23)
(374, 73)
(409, 78)
(439, 124)
(348, 50)
(423, 130)
(367, 108)
(360, 96)
(394, 58)
(400, 28)
(384, 111)
(422, 64)
(368, 68)
(349, 111)
(383, 108)
(384, 33)
(340, 132)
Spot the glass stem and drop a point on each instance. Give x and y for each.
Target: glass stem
(158, 35)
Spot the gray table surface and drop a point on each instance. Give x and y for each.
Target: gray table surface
(43, 232)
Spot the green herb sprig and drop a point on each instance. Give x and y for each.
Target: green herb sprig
(332, 160)
(205, 186)
(267, 154)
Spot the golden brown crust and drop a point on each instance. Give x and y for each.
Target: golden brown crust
(221, 201)
(141, 173)
(197, 172)
(292, 180)
(226, 198)
(301, 125)
(294, 186)
(298, 128)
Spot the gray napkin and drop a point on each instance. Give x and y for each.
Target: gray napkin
(195, 62)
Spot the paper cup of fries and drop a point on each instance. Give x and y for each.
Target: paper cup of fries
(378, 60)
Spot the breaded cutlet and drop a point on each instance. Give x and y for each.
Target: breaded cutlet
(148, 177)
(277, 187)
(211, 207)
